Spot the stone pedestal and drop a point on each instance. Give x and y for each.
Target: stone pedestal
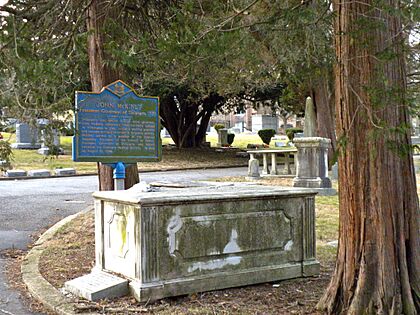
(222, 140)
(312, 162)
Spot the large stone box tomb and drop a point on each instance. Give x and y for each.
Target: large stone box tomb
(182, 240)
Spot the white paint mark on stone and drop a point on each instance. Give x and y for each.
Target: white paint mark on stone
(174, 225)
(232, 246)
(288, 245)
(215, 264)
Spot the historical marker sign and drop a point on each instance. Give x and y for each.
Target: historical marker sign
(116, 125)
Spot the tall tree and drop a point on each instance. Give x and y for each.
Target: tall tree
(378, 261)
(102, 74)
(41, 44)
(194, 78)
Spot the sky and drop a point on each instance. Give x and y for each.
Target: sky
(2, 2)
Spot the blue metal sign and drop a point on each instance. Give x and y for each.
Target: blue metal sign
(116, 125)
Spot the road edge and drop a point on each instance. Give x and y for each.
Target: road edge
(36, 284)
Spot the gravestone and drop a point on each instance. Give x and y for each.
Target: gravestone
(310, 127)
(26, 137)
(222, 139)
(98, 285)
(334, 171)
(65, 171)
(253, 168)
(39, 173)
(45, 150)
(15, 173)
(264, 122)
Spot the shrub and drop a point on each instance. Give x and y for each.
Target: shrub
(266, 135)
(218, 127)
(67, 129)
(290, 133)
(6, 153)
(230, 138)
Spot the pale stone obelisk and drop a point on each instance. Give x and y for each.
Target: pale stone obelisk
(309, 129)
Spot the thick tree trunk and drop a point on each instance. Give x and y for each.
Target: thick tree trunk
(324, 106)
(182, 121)
(101, 75)
(377, 268)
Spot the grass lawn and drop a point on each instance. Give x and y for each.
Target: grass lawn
(171, 157)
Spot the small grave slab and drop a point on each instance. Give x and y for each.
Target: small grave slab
(15, 173)
(39, 173)
(65, 171)
(46, 151)
(98, 285)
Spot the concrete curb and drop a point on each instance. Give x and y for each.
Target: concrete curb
(40, 288)
(140, 172)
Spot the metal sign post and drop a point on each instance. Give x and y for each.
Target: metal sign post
(119, 175)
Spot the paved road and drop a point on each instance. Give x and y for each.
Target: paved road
(26, 206)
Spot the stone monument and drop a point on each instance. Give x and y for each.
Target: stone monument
(222, 140)
(309, 129)
(167, 241)
(26, 137)
(312, 156)
(45, 150)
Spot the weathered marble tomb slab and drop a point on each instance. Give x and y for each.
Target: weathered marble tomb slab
(182, 240)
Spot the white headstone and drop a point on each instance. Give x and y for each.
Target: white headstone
(65, 171)
(253, 168)
(39, 173)
(15, 173)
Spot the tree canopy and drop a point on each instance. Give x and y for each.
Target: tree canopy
(199, 52)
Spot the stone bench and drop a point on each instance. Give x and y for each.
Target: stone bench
(253, 166)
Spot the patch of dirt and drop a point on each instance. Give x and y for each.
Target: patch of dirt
(298, 296)
(174, 158)
(14, 258)
(71, 254)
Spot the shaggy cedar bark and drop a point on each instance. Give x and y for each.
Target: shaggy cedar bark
(101, 75)
(377, 267)
(324, 106)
